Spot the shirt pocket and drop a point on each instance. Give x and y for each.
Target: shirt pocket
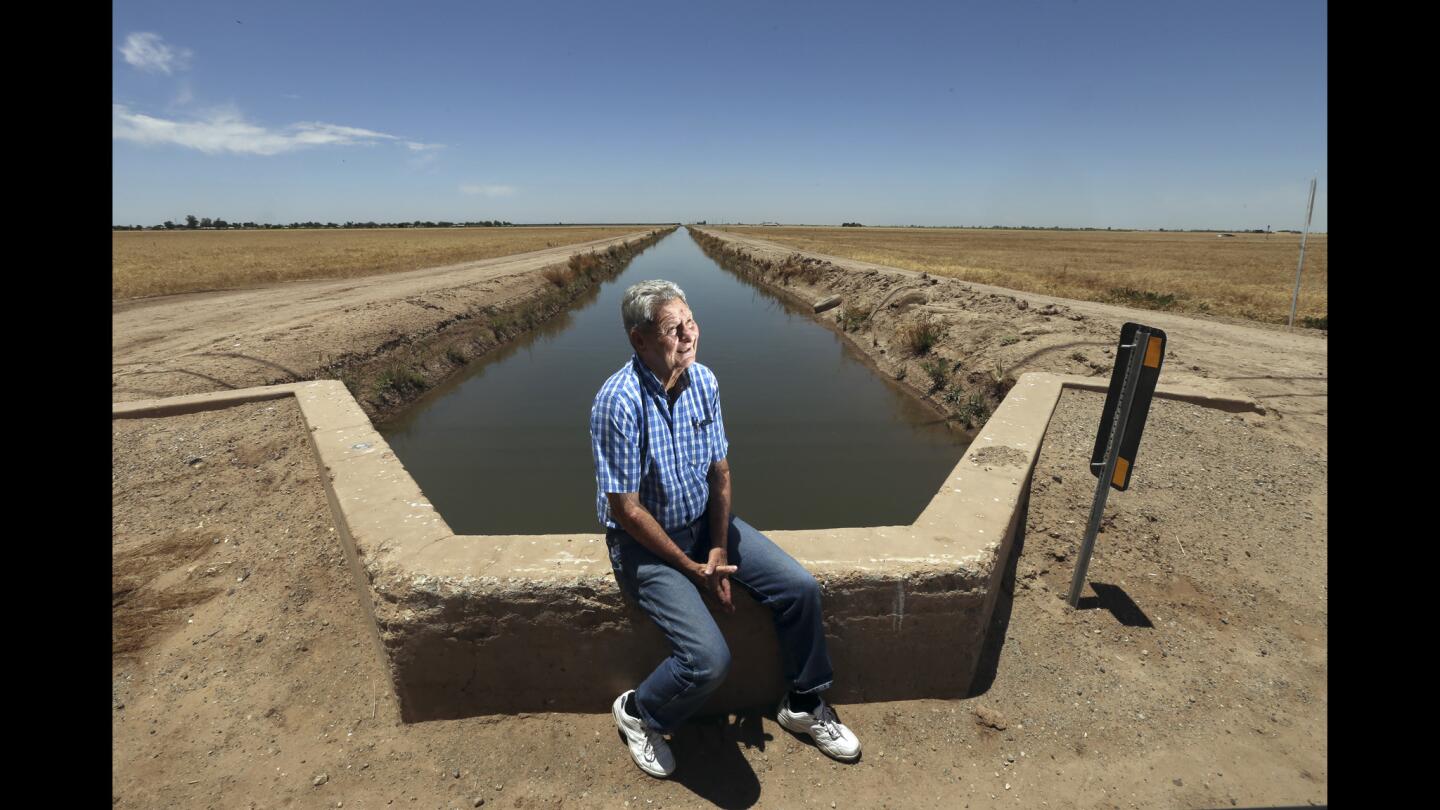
(702, 443)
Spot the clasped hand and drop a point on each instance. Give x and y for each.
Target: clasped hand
(714, 576)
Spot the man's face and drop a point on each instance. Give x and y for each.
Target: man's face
(668, 348)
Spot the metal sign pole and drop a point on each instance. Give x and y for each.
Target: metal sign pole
(1295, 298)
(1102, 487)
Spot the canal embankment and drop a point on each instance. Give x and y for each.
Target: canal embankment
(388, 380)
(959, 344)
(389, 338)
(899, 322)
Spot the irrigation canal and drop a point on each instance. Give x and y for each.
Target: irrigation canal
(817, 439)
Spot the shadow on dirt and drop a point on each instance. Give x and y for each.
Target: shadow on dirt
(710, 762)
(1119, 603)
(1000, 619)
(1109, 597)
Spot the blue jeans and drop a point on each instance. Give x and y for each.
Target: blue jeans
(699, 657)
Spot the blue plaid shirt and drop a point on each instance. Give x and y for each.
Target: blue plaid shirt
(642, 444)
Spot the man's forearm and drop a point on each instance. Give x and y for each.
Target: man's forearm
(637, 522)
(719, 506)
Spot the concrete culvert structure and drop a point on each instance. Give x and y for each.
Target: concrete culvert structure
(470, 625)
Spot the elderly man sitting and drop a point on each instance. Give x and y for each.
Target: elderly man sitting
(663, 494)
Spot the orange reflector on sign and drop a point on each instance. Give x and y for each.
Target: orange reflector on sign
(1152, 353)
(1122, 465)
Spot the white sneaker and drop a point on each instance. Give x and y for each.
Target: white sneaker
(830, 735)
(647, 748)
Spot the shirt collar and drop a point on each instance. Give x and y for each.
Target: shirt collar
(652, 383)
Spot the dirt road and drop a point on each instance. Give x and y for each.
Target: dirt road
(196, 342)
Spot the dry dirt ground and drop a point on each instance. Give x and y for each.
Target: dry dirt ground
(155, 263)
(1194, 674)
(212, 341)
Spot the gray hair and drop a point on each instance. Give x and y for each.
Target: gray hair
(638, 305)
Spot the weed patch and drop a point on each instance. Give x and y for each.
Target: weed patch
(400, 380)
(937, 370)
(1001, 381)
(973, 410)
(920, 336)
(953, 395)
(559, 276)
(503, 322)
(852, 317)
(585, 264)
(1145, 299)
(798, 268)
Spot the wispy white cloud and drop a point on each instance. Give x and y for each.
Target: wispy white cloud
(487, 190)
(422, 147)
(224, 130)
(148, 52)
(315, 133)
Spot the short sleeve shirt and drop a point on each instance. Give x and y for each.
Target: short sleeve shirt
(641, 443)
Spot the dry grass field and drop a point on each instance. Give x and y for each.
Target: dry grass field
(1247, 276)
(146, 263)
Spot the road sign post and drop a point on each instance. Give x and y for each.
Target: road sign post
(1132, 384)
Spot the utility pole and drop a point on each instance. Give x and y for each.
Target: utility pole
(1295, 298)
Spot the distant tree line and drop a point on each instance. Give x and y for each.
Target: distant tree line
(193, 223)
(1068, 228)
(1266, 229)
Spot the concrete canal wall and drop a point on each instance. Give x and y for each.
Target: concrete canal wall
(471, 625)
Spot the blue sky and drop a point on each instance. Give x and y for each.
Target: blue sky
(1072, 113)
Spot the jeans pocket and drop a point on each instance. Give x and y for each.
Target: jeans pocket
(617, 567)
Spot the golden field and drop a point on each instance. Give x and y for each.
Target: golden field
(146, 263)
(1248, 276)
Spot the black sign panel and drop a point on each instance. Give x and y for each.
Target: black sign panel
(1154, 356)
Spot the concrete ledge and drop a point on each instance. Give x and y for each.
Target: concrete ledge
(472, 625)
